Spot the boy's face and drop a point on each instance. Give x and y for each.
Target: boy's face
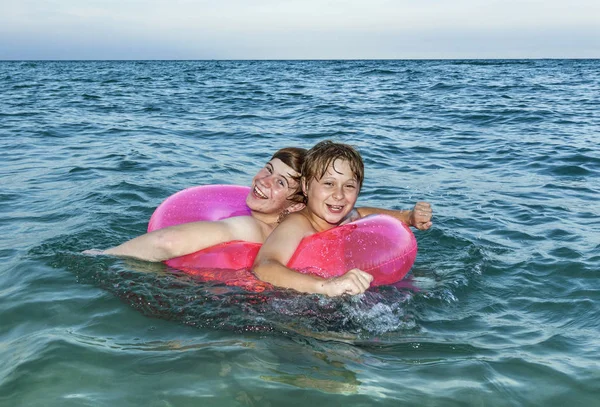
(271, 188)
(332, 197)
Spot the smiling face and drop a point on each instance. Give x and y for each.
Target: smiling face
(271, 188)
(333, 196)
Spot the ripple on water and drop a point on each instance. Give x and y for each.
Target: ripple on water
(150, 288)
(500, 307)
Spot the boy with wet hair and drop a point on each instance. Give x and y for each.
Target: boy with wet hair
(332, 175)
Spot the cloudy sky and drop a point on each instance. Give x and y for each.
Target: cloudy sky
(298, 29)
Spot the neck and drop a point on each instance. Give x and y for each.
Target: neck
(269, 219)
(318, 224)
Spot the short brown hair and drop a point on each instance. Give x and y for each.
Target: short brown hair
(294, 158)
(324, 154)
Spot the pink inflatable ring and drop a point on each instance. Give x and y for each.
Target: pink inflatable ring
(379, 245)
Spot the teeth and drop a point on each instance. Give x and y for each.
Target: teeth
(259, 193)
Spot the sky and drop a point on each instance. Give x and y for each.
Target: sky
(298, 29)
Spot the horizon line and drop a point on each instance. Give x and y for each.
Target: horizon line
(294, 59)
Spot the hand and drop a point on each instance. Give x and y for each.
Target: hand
(353, 282)
(420, 216)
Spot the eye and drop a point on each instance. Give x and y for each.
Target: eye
(281, 183)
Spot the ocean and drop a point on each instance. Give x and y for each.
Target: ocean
(501, 308)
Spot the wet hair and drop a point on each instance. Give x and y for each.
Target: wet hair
(323, 154)
(293, 157)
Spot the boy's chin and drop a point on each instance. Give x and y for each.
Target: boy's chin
(336, 219)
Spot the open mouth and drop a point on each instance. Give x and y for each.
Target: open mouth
(335, 208)
(258, 193)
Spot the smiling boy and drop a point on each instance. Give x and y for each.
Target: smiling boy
(332, 175)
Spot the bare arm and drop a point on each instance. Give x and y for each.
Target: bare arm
(270, 263)
(175, 241)
(419, 217)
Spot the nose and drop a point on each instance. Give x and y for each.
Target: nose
(338, 194)
(267, 180)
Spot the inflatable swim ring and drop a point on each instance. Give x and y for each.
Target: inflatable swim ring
(379, 245)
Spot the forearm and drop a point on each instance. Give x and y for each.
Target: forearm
(403, 216)
(278, 275)
(153, 246)
(173, 241)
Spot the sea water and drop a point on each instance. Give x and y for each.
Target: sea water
(501, 308)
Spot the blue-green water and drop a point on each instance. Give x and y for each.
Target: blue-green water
(502, 307)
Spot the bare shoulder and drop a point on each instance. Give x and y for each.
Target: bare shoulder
(284, 240)
(296, 224)
(244, 228)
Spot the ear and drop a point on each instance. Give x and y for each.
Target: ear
(295, 207)
(304, 186)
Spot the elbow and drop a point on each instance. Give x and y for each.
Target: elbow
(258, 268)
(262, 269)
(165, 245)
